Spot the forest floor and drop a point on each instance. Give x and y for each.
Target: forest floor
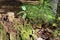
(28, 26)
(9, 29)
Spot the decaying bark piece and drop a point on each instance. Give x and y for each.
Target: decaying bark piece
(10, 16)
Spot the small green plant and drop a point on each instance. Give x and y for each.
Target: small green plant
(24, 30)
(39, 12)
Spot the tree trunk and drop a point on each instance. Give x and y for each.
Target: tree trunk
(54, 3)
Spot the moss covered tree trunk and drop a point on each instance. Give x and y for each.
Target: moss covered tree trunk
(3, 36)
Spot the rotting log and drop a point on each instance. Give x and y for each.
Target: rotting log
(9, 6)
(13, 5)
